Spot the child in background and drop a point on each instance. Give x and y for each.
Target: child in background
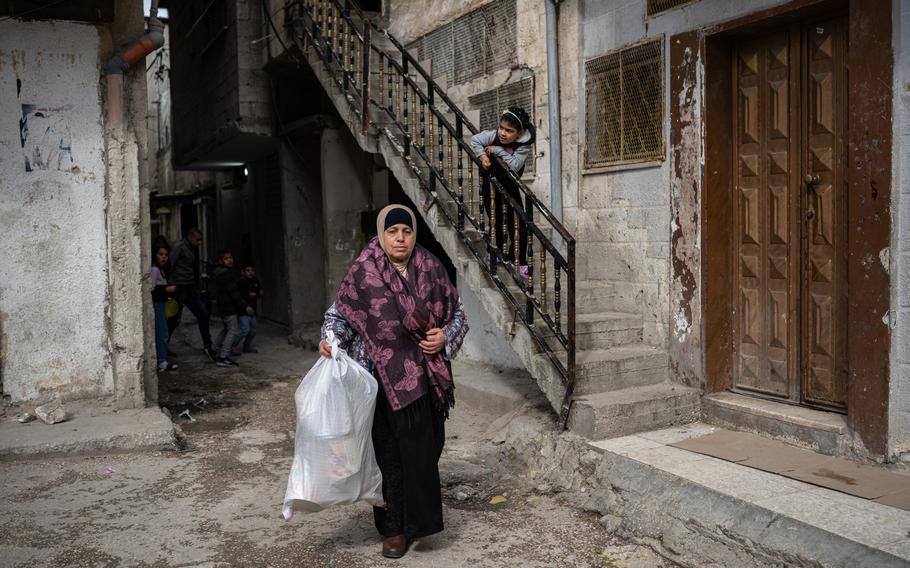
(160, 292)
(512, 143)
(251, 291)
(230, 304)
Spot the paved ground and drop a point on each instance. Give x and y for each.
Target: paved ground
(218, 502)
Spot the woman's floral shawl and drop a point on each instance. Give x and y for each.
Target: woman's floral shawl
(392, 314)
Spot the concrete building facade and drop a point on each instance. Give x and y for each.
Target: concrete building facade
(792, 329)
(655, 231)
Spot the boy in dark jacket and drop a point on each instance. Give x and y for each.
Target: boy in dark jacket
(251, 291)
(230, 304)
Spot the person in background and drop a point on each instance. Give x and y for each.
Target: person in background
(251, 291)
(511, 142)
(399, 316)
(184, 265)
(230, 304)
(160, 292)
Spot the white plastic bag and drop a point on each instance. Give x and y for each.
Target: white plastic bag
(334, 461)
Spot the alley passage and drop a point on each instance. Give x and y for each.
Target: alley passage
(218, 503)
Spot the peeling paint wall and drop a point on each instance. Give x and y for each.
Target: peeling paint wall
(897, 258)
(54, 262)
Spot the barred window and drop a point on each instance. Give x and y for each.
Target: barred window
(624, 106)
(658, 6)
(491, 104)
(473, 45)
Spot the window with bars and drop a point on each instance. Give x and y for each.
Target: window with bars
(624, 106)
(491, 104)
(473, 45)
(658, 6)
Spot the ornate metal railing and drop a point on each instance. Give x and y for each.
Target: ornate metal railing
(389, 90)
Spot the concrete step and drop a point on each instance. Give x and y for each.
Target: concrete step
(619, 367)
(637, 409)
(594, 297)
(825, 432)
(708, 512)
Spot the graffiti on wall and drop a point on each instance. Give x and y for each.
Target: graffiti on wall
(47, 141)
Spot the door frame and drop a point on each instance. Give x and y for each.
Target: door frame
(703, 288)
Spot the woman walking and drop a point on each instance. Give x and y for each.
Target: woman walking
(398, 315)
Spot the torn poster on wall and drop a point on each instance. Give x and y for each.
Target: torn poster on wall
(47, 141)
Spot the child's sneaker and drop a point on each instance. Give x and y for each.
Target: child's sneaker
(210, 353)
(165, 366)
(226, 362)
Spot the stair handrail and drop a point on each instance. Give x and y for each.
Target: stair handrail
(328, 27)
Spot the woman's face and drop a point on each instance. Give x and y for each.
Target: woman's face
(399, 242)
(161, 257)
(507, 132)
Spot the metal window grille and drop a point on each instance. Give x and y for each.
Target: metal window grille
(439, 48)
(473, 45)
(491, 104)
(500, 35)
(624, 114)
(658, 6)
(469, 31)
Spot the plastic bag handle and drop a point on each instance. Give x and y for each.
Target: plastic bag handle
(333, 341)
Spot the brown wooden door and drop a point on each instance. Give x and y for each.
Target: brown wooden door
(789, 214)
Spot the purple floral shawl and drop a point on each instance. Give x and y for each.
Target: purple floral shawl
(393, 313)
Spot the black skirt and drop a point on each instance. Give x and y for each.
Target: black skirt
(408, 444)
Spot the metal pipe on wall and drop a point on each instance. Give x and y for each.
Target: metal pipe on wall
(552, 15)
(126, 57)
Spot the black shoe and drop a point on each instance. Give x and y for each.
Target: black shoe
(394, 546)
(210, 353)
(226, 362)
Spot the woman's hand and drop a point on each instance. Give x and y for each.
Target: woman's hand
(325, 348)
(434, 342)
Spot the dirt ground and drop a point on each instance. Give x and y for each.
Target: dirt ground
(218, 502)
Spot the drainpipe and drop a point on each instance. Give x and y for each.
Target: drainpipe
(553, 108)
(123, 59)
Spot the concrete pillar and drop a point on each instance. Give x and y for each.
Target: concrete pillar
(346, 185)
(301, 195)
